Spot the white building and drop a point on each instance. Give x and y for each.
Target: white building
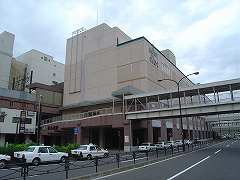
(6, 53)
(44, 68)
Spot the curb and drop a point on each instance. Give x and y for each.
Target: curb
(129, 167)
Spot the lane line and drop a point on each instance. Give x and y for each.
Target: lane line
(218, 151)
(122, 172)
(178, 174)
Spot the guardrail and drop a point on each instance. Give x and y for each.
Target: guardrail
(25, 170)
(78, 116)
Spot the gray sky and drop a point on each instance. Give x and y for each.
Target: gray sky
(203, 34)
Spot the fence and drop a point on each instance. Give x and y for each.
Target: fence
(23, 170)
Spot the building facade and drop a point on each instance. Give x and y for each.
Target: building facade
(16, 77)
(102, 66)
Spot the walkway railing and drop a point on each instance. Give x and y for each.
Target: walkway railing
(79, 116)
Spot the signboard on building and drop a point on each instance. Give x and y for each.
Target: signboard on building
(126, 139)
(76, 130)
(23, 115)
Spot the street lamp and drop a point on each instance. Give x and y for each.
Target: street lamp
(179, 101)
(38, 122)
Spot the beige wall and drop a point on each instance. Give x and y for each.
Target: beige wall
(96, 65)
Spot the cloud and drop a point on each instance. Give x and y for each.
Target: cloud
(203, 34)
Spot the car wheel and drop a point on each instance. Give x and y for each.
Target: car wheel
(89, 156)
(105, 155)
(63, 159)
(36, 161)
(2, 164)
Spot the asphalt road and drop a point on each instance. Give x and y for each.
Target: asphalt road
(218, 162)
(80, 168)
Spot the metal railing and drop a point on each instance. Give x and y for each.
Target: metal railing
(22, 170)
(79, 116)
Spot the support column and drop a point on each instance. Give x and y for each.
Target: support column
(150, 131)
(175, 130)
(126, 138)
(101, 137)
(79, 137)
(2, 140)
(163, 130)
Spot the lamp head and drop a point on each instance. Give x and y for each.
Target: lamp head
(196, 73)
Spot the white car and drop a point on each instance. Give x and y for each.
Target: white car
(170, 144)
(38, 154)
(160, 145)
(178, 143)
(3, 160)
(188, 142)
(147, 147)
(89, 151)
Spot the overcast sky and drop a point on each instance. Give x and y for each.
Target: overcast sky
(203, 34)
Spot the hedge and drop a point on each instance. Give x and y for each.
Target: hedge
(11, 148)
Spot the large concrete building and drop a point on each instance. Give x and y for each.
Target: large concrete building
(103, 65)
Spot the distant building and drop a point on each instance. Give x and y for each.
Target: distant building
(6, 53)
(35, 70)
(43, 67)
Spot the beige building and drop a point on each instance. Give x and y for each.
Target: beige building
(103, 64)
(102, 60)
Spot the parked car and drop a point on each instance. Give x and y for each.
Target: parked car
(4, 159)
(178, 143)
(170, 144)
(160, 145)
(39, 154)
(147, 147)
(188, 141)
(89, 151)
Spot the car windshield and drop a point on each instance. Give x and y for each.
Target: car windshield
(82, 148)
(30, 149)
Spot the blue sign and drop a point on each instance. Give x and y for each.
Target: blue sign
(76, 130)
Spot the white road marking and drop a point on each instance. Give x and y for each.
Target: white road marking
(132, 159)
(218, 151)
(102, 177)
(176, 175)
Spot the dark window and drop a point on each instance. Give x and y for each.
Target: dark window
(42, 150)
(17, 119)
(45, 58)
(92, 148)
(52, 150)
(2, 116)
(54, 74)
(41, 57)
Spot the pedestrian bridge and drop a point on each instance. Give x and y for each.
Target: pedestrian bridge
(220, 97)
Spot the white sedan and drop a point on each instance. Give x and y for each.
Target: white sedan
(3, 160)
(38, 154)
(147, 147)
(89, 151)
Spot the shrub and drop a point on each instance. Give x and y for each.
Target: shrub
(67, 148)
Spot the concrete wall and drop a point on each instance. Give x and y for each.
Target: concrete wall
(45, 68)
(6, 53)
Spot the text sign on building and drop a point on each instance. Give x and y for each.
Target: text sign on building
(76, 130)
(22, 122)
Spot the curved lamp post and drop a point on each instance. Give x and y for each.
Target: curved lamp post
(179, 101)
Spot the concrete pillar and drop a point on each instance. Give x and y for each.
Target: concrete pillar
(126, 138)
(101, 137)
(2, 140)
(175, 130)
(28, 140)
(79, 136)
(150, 131)
(163, 130)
